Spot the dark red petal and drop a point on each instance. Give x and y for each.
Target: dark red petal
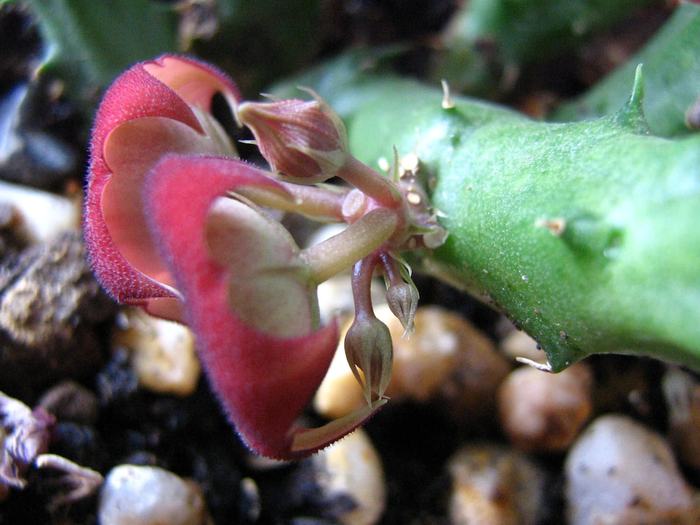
(131, 150)
(134, 95)
(263, 382)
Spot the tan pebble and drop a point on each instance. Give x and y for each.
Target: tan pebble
(620, 472)
(445, 357)
(682, 393)
(425, 358)
(42, 216)
(544, 412)
(136, 495)
(492, 485)
(518, 344)
(335, 297)
(351, 469)
(162, 352)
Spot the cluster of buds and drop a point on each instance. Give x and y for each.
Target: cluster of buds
(175, 223)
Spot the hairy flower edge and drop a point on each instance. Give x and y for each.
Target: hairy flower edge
(169, 90)
(263, 381)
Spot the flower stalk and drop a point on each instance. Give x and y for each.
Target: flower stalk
(368, 346)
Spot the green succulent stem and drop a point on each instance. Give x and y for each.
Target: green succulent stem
(355, 242)
(320, 203)
(585, 234)
(488, 41)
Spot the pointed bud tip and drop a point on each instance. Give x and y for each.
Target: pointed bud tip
(368, 349)
(303, 140)
(403, 302)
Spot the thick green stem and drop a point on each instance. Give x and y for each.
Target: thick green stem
(488, 41)
(321, 203)
(358, 240)
(620, 274)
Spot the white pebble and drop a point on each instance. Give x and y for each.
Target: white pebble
(518, 344)
(135, 495)
(619, 472)
(351, 468)
(162, 352)
(43, 215)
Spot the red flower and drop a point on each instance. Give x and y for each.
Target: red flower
(163, 231)
(154, 108)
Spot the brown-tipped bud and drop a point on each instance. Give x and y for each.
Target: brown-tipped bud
(368, 349)
(303, 140)
(403, 301)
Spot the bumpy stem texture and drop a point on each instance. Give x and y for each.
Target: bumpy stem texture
(585, 234)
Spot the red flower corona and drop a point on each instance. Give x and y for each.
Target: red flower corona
(174, 223)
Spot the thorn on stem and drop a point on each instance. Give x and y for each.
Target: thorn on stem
(447, 102)
(545, 367)
(556, 226)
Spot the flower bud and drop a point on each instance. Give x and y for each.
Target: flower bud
(368, 348)
(403, 301)
(302, 140)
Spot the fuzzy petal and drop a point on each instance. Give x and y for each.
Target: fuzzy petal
(131, 150)
(194, 81)
(139, 94)
(270, 288)
(263, 381)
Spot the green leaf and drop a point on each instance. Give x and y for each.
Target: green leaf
(487, 41)
(672, 78)
(90, 42)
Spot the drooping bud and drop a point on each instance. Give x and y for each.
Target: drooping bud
(403, 301)
(303, 140)
(368, 349)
